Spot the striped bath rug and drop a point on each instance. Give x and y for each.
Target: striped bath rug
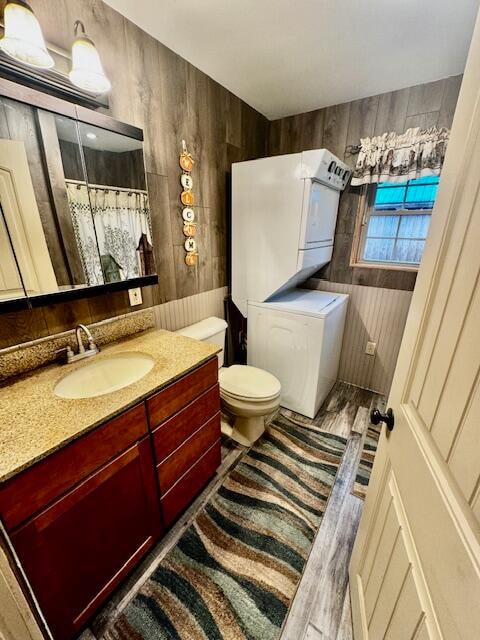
(367, 458)
(234, 572)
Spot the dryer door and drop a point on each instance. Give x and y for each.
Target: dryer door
(319, 215)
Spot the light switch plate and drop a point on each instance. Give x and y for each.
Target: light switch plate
(135, 296)
(371, 348)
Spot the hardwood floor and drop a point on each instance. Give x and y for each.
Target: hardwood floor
(321, 607)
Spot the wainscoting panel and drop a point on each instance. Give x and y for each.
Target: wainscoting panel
(177, 314)
(374, 315)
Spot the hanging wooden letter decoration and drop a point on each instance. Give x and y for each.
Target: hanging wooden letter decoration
(188, 200)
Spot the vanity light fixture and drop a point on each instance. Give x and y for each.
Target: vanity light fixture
(23, 38)
(87, 71)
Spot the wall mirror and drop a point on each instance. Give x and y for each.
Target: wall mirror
(74, 209)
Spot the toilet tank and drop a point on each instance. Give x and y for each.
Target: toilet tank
(209, 330)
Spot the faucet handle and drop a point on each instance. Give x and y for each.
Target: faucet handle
(67, 351)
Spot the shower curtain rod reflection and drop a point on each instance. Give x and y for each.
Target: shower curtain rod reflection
(104, 187)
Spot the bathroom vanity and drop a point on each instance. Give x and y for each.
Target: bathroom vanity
(81, 508)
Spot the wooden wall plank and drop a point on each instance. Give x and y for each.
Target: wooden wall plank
(449, 102)
(425, 98)
(336, 128)
(53, 163)
(162, 237)
(361, 123)
(392, 111)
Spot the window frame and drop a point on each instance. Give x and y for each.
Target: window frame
(364, 210)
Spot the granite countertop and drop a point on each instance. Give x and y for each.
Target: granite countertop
(34, 422)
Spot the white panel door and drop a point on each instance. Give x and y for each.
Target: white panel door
(10, 282)
(22, 218)
(415, 569)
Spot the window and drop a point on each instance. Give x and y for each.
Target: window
(394, 222)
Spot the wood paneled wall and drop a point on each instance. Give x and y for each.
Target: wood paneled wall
(113, 169)
(339, 126)
(171, 100)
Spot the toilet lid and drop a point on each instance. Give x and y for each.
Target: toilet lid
(248, 382)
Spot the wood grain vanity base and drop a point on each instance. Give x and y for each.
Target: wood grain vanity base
(180, 461)
(31, 490)
(78, 549)
(190, 484)
(176, 396)
(81, 519)
(170, 434)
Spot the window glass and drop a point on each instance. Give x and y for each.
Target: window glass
(383, 226)
(414, 226)
(397, 224)
(414, 194)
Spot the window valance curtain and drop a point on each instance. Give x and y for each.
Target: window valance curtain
(121, 226)
(397, 158)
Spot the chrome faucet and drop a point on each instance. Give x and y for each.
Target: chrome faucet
(92, 347)
(82, 352)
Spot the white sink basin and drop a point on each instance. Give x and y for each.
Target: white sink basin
(105, 375)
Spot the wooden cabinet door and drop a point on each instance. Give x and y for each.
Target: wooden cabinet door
(76, 551)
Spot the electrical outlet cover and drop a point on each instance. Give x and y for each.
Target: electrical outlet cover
(135, 296)
(371, 348)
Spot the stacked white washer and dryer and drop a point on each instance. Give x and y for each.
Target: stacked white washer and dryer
(284, 212)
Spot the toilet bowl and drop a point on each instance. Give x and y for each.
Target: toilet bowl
(248, 394)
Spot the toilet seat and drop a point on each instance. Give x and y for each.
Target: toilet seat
(243, 382)
(232, 396)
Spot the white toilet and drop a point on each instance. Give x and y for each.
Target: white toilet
(248, 394)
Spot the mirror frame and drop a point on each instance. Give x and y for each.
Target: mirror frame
(51, 103)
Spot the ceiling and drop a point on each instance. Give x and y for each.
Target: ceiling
(290, 56)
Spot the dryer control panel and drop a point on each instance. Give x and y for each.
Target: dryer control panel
(323, 166)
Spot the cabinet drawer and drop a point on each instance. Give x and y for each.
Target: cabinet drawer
(174, 397)
(190, 485)
(77, 550)
(172, 433)
(33, 489)
(180, 461)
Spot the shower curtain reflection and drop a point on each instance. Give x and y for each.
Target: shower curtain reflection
(120, 224)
